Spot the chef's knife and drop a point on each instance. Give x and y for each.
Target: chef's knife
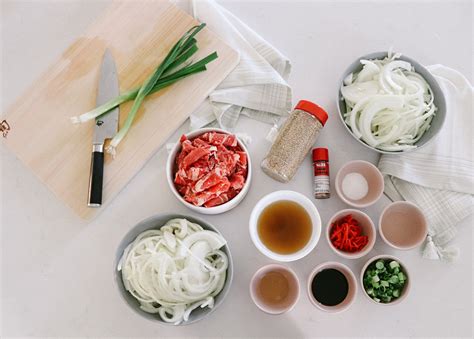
(105, 127)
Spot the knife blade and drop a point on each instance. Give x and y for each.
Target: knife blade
(105, 127)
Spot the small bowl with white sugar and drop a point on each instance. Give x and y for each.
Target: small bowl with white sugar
(359, 183)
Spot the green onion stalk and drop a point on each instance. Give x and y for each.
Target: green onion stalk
(166, 74)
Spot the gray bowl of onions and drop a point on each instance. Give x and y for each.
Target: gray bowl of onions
(390, 103)
(189, 269)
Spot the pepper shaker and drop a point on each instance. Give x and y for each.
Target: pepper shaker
(321, 173)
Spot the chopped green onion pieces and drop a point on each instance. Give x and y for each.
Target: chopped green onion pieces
(384, 280)
(394, 264)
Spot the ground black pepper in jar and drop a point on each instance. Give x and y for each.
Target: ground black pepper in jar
(321, 173)
(294, 140)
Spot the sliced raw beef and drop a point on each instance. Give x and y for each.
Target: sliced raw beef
(216, 138)
(211, 169)
(223, 198)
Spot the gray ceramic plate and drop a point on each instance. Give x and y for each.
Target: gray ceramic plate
(155, 222)
(439, 101)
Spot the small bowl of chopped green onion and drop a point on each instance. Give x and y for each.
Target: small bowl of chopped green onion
(385, 280)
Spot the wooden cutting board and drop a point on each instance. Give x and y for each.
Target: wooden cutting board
(139, 35)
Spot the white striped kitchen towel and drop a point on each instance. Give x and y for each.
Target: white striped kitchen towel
(439, 177)
(257, 87)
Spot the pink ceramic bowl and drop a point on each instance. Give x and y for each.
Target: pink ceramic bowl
(286, 304)
(370, 173)
(402, 225)
(351, 280)
(406, 288)
(365, 223)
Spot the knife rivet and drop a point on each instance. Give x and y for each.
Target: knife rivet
(99, 122)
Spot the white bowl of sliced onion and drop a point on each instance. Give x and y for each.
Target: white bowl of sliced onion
(209, 170)
(390, 103)
(173, 269)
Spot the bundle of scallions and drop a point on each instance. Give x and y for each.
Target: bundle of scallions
(172, 69)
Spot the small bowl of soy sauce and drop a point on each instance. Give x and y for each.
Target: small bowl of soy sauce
(332, 287)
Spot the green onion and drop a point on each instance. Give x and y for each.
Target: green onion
(394, 264)
(164, 75)
(384, 281)
(130, 95)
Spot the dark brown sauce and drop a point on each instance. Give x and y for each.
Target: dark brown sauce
(330, 287)
(284, 227)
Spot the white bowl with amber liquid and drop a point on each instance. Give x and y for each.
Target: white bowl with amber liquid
(285, 226)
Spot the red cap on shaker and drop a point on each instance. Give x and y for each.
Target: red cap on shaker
(320, 154)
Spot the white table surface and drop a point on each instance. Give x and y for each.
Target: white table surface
(56, 271)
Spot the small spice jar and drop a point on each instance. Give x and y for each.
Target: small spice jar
(294, 140)
(321, 173)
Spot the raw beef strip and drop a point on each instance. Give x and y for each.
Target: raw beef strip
(209, 180)
(223, 198)
(187, 146)
(180, 177)
(201, 198)
(194, 156)
(242, 158)
(215, 138)
(196, 173)
(237, 181)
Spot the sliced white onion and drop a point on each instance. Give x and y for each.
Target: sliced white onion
(173, 270)
(389, 105)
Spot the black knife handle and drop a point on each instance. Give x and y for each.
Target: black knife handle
(96, 178)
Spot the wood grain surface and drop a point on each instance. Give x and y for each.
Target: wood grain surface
(139, 34)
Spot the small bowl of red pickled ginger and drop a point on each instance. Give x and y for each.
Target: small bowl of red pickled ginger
(209, 170)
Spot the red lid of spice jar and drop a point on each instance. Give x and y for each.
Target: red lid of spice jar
(313, 109)
(320, 154)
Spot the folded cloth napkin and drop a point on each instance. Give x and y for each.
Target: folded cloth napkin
(439, 177)
(257, 87)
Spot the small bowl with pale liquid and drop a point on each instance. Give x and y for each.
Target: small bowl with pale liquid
(285, 226)
(275, 289)
(403, 225)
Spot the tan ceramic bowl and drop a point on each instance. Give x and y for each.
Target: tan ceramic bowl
(403, 225)
(293, 294)
(406, 288)
(370, 173)
(365, 223)
(351, 280)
